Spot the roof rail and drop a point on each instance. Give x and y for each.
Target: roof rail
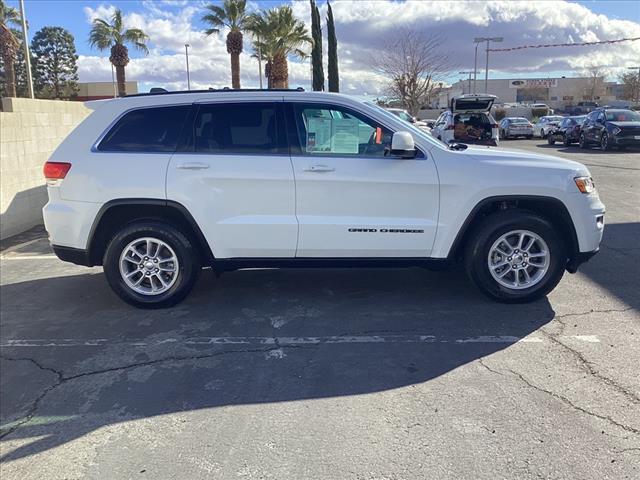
(162, 91)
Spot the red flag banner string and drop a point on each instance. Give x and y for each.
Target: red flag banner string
(603, 42)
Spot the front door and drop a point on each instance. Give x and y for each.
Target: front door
(352, 200)
(235, 177)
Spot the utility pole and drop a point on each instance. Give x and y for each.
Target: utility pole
(486, 72)
(469, 83)
(637, 82)
(25, 43)
(186, 54)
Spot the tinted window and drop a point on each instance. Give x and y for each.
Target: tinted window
(146, 130)
(335, 130)
(238, 128)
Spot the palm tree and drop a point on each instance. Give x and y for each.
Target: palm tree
(278, 34)
(112, 35)
(232, 15)
(9, 46)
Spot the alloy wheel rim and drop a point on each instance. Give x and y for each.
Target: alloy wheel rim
(149, 266)
(605, 141)
(519, 259)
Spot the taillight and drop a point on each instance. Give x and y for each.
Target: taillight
(56, 170)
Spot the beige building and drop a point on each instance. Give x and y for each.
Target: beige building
(102, 90)
(555, 92)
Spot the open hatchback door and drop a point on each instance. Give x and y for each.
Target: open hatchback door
(472, 103)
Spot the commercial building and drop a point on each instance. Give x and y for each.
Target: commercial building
(555, 92)
(102, 90)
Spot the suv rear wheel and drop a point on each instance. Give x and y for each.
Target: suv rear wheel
(515, 257)
(151, 265)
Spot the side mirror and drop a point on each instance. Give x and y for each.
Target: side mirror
(414, 119)
(402, 145)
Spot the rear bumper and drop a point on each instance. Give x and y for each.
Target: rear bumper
(72, 255)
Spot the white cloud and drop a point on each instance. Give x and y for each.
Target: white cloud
(362, 28)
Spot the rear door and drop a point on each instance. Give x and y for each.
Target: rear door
(234, 175)
(351, 199)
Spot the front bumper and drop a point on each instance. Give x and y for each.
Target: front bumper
(72, 255)
(581, 257)
(626, 141)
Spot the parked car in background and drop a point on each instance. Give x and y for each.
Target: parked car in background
(567, 132)
(468, 120)
(610, 128)
(537, 106)
(512, 127)
(545, 124)
(581, 108)
(407, 117)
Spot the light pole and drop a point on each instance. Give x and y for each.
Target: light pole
(486, 72)
(638, 82)
(469, 85)
(186, 54)
(475, 63)
(25, 43)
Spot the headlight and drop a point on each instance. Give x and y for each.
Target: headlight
(585, 184)
(616, 130)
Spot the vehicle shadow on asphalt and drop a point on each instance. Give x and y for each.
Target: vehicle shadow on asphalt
(574, 148)
(375, 329)
(371, 330)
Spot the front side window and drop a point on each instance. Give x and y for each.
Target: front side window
(243, 128)
(334, 130)
(146, 130)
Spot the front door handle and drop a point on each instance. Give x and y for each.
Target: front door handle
(193, 165)
(319, 168)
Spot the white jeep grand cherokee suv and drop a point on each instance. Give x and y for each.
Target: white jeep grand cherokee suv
(154, 187)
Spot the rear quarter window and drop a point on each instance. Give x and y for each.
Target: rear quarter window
(146, 130)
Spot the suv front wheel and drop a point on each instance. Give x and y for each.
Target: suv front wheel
(151, 264)
(515, 257)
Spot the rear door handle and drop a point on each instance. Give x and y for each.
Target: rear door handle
(319, 168)
(193, 165)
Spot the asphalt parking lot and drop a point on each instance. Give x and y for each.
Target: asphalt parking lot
(328, 374)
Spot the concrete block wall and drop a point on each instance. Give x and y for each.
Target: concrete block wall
(30, 130)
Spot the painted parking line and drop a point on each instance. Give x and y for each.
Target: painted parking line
(29, 257)
(284, 341)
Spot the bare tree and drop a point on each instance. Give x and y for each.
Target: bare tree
(414, 63)
(595, 87)
(630, 86)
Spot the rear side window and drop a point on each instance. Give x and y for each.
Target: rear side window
(238, 128)
(146, 130)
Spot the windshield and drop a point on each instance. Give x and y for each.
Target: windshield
(554, 119)
(622, 116)
(519, 120)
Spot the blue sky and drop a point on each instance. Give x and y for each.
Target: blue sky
(362, 27)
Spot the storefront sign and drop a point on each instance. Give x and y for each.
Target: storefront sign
(534, 83)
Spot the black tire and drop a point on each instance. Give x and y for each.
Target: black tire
(188, 259)
(529, 137)
(582, 143)
(605, 144)
(542, 134)
(565, 140)
(476, 255)
(551, 139)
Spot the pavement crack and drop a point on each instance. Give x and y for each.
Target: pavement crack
(62, 379)
(587, 366)
(569, 403)
(57, 373)
(481, 362)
